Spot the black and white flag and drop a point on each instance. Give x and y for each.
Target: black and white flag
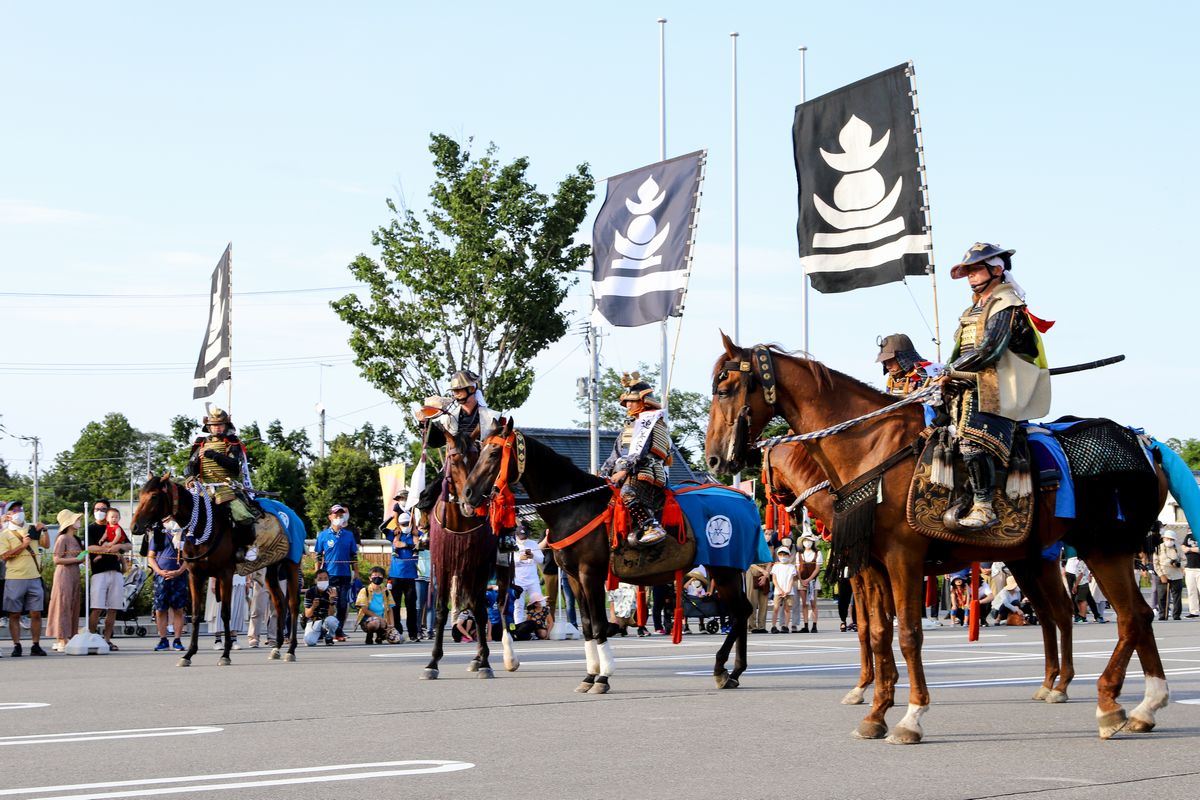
(642, 241)
(216, 352)
(862, 220)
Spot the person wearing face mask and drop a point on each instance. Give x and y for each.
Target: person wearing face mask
(808, 568)
(170, 583)
(62, 617)
(639, 459)
(402, 572)
(783, 580)
(337, 553)
(107, 584)
(525, 570)
(319, 600)
(23, 591)
(375, 605)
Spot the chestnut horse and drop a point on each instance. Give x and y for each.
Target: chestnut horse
(549, 477)
(792, 472)
(812, 397)
(209, 552)
(463, 558)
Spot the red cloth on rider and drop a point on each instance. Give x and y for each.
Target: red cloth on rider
(1042, 325)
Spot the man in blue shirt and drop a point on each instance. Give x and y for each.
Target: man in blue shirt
(403, 573)
(337, 553)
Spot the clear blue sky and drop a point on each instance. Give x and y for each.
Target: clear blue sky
(139, 138)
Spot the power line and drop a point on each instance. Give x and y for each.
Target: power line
(149, 296)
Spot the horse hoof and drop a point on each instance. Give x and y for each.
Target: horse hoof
(185, 662)
(473, 666)
(485, 672)
(1041, 694)
(868, 729)
(274, 654)
(584, 687)
(290, 658)
(854, 697)
(724, 681)
(1112, 723)
(1139, 725)
(903, 735)
(599, 688)
(1054, 696)
(430, 674)
(513, 666)
(223, 662)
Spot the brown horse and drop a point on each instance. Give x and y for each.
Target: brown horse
(792, 472)
(812, 397)
(463, 558)
(209, 552)
(570, 500)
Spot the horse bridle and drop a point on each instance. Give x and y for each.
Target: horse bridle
(513, 447)
(760, 369)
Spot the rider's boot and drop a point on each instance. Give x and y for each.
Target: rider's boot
(982, 473)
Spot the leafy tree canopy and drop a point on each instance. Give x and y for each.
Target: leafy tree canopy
(1188, 448)
(476, 284)
(348, 475)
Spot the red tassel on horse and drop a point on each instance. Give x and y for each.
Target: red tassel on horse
(769, 523)
(785, 522)
(677, 623)
(641, 606)
(973, 631)
(503, 509)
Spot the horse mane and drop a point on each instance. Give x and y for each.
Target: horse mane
(823, 376)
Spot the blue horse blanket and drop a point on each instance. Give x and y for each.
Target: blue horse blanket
(726, 524)
(293, 526)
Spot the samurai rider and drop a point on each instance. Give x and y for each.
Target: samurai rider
(997, 375)
(442, 421)
(218, 460)
(638, 463)
(906, 371)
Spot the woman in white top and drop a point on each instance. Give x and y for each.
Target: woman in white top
(809, 565)
(783, 579)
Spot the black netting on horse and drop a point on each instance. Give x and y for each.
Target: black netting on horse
(1102, 447)
(853, 522)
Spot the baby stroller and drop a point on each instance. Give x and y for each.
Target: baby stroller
(135, 579)
(705, 609)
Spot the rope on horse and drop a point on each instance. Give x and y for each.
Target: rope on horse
(527, 508)
(198, 492)
(915, 397)
(807, 494)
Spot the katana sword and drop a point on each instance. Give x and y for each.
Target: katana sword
(1103, 362)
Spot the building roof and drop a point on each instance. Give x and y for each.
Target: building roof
(573, 443)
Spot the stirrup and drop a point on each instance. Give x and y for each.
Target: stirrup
(252, 553)
(982, 516)
(653, 534)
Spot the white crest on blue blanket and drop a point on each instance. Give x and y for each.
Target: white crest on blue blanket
(719, 530)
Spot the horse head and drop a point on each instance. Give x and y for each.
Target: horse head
(158, 499)
(461, 454)
(486, 473)
(738, 412)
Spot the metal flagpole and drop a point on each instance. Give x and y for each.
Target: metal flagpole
(733, 37)
(229, 334)
(664, 387)
(916, 112)
(804, 276)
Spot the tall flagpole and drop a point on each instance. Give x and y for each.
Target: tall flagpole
(229, 333)
(804, 277)
(664, 386)
(937, 327)
(733, 37)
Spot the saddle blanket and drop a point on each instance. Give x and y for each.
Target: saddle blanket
(292, 525)
(726, 524)
(1048, 455)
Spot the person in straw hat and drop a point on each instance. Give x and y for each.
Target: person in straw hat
(63, 615)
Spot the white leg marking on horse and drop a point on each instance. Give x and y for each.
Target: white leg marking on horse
(1157, 696)
(510, 656)
(912, 720)
(592, 652)
(607, 662)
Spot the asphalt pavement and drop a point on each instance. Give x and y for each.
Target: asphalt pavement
(356, 720)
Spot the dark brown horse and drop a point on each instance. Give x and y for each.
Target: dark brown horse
(812, 397)
(549, 477)
(793, 472)
(463, 558)
(209, 552)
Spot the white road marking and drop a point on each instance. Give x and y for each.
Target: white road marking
(1039, 679)
(401, 768)
(96, 736)
(19, 706)
(1191, 701)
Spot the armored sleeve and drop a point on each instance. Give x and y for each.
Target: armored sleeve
(231, 460)
(193, 465)
(996, 337)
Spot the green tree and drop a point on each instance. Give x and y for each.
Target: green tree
(99, 463)
(281, 473)
(1188, 448)
(687, 413)
(477, 285)
(348, 475)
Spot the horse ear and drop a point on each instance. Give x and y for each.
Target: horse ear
(730, 347)
(508, 426)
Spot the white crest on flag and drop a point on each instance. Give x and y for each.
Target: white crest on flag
(640, 246)
(861, 205)
(215, 360)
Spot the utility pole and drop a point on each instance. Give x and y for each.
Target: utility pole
(320, 430)
(36, 482)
